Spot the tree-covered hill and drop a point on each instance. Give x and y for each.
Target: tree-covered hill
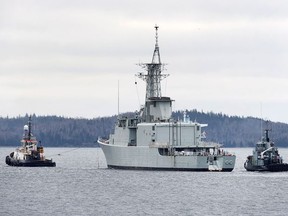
(55, 131)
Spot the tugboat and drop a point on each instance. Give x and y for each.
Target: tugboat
(265, 157)
(153, 140)
(29, 154)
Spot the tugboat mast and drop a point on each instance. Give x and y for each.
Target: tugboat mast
(154, 76)
(29, 128)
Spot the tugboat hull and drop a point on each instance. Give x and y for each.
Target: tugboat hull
(275, 167)
(253, 168)
(29, 163)
(278, 167)
(269, 168)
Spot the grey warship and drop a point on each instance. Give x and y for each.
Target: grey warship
(265, 157)
(152, 140)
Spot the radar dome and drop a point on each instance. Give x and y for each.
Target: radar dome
(25, 127)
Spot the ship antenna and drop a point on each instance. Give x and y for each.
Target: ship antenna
(261, 122)
(118, 99)
(156, 54)
(137, 92)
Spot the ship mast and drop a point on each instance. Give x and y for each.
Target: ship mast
(157, 108)
(154, 72)
(156, 54)
(29, 128)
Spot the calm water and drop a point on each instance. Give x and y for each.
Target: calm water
(81, 185)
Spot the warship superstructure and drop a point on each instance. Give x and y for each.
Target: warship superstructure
(29, 153)
(153, 140)
(265, 157)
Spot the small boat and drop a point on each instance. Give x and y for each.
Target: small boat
(265, 157)
(29, 154)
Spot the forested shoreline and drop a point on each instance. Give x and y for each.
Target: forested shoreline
(57, 131)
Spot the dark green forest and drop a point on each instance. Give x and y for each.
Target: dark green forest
(57, 131)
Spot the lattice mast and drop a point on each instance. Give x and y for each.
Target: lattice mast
(154, 74)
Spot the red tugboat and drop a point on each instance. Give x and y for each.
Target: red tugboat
(29, 154)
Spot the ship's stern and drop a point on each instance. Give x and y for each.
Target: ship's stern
(227, 163)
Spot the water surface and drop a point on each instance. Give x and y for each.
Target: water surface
(80, 184)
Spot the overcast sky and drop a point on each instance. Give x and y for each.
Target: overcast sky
(66, 57)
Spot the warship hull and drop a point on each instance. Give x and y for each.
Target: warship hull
(29, 163)
(149, 158)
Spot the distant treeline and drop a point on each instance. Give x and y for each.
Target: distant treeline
(235, 131)
(56, 131)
